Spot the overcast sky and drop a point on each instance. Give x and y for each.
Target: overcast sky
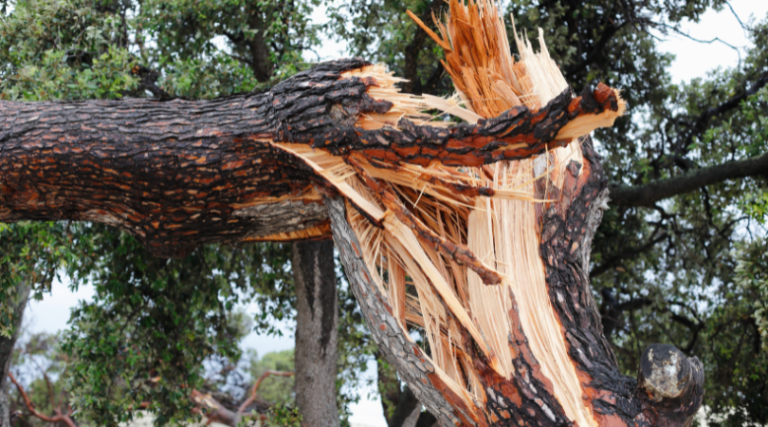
(693, 60)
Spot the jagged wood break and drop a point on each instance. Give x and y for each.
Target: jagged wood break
(474, 235)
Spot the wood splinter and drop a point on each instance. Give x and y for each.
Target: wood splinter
(425, 214)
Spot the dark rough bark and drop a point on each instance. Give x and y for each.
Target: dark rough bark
(517, 133)
(178, 174)
(316, 333)
(182, 173)
(174, 174)
(565, 244)
(6, 352)
(567, 228)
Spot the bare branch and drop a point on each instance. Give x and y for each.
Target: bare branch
(58, 418)
(690, 37)
(744, 27)
(215, 411)
(629, 252)
(257, 384)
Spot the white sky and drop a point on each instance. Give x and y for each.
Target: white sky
(692, 60)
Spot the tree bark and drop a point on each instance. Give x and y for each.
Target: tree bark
(316, 333)
(648, 194)
(567, 229)
(182, 173)
(178, 174)
(6, 352)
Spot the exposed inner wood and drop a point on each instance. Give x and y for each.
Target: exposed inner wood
(413, 218)
(446, 215)
(473, 236)
(321, 231)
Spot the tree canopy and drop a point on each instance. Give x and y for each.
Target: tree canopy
(679, 257)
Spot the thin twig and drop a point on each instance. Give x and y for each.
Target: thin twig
(688, 36)
(743, 27)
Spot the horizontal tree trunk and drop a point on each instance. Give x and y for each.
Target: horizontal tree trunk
(181, 173)
(174, 174)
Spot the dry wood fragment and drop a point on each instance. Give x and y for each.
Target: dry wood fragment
(425, 213)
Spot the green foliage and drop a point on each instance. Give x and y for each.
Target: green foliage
(207, 77)
(68, 49)
(736, 367)
(282, 416)
(685, 283)
(752, 276)
(689, 288)
(33, 254)
(379, 31)
(154, 321)
(268, 37)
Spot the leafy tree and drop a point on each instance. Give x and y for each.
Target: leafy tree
(663, 267)
(151, 318)
(751, 275)
(685, 194)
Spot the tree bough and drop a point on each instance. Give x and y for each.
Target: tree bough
(476, 235)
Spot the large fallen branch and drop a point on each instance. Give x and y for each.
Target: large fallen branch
(474, 235)
(181, 173)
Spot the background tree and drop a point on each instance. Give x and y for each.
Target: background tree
(651, 256)
(105, 49)
(686, 165)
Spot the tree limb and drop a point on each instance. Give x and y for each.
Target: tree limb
(629, 252)
(181, 173)
(58, 418)
(701, 121)
(257, 384)
(215, 411)
(648, 194)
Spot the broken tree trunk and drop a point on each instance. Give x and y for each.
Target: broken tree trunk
(467, 245)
